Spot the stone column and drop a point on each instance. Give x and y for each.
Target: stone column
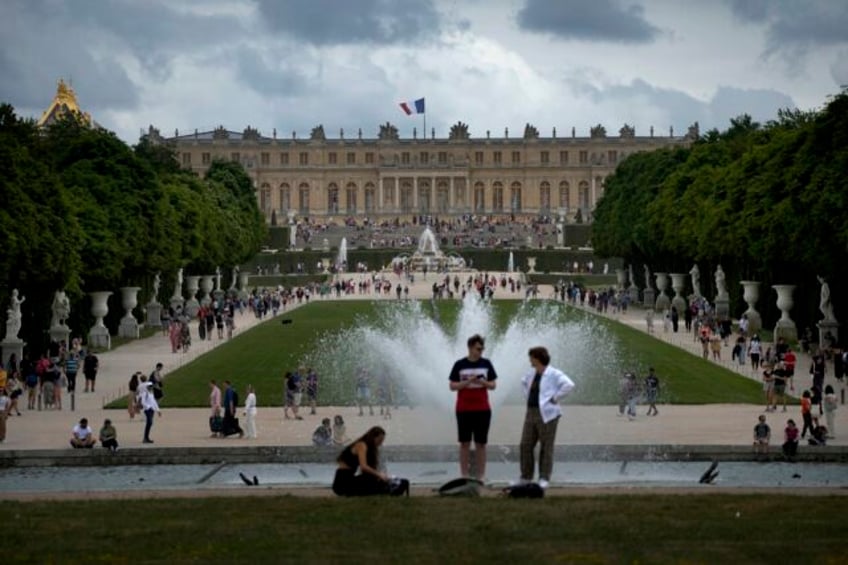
(129, 300)
(415, 194)
(99, 336)
(785, 327)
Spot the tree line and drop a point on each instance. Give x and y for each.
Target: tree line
(768, 202)
(82, 211)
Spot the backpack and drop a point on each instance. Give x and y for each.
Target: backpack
(460, 487)
(527, 490)
(399, 487)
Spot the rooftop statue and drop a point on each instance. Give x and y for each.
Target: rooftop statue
(458, 131)
(388, 132)
(530, 132)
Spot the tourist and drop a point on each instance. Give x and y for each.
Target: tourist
(157, 382)
(755, 349)
(132, 395)
(780, 376)
(652, 392)
(806, 413)
(544, 386)
(250, 412)
(472, 377)
(817, 370)
(231, 423)
(71, 368)
(30, 380)
(715, 345)
(312, 389)
(768, 387)
(790, 439)
(83, 436)
(363, 390)
(762, 435)
(14, 389)
(384, 395)
(649, 320)
(148, 405)
(109, 436)
(830, 405)
(362, 455)
(818, 434)
(90, 366)
(323, 434)
(5, 404)
(293, 395)
(339, 431)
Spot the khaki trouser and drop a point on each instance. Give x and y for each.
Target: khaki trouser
(536, 431)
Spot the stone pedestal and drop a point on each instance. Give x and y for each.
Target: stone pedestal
(620, 279)
(12, 347)
(60, 333)
(244, 278)
(678, 283)
(825, 327)
(648, 297)
(663, 302)
(751, 294)
(785, 327)
(722, 308)
(634, 294)
(98, 335)
(192, 305)
(129, 325)
(153, 315)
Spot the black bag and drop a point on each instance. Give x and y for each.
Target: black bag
(216, 424)
(460, 487)
(158, 393)
(527, 490)
(399, 487)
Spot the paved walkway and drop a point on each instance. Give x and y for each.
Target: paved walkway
(724, 424)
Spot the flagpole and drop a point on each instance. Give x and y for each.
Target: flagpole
(425, 122)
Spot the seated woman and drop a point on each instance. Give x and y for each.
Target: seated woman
(363, 455)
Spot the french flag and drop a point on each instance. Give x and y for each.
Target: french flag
(410, 108)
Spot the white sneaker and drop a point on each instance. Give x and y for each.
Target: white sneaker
(544, 484)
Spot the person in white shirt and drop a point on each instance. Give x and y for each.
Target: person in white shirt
(148, 405)
(83, 436)
(250, 412)
(544, 386)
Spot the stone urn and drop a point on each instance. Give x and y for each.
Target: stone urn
(663, 301)
(206, 285)
(98, 335)
(129, 300)
(751, 293)
(531, 264)
(678, 283)
(785, 327)
(192, 305)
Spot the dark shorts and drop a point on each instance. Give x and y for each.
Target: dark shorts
(780, 388)
(474, 425)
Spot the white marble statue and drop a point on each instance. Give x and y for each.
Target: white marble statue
(647, 277)
(217, 278)
(157, 282)
(696, 279)
(721, 284)
(825, 304)
(630, 275)
(606, 268)
(235, 277)
(61, 308)
(178, 290)
(13, 319)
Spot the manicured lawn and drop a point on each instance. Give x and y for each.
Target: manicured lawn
(641, 528)
(262, 355)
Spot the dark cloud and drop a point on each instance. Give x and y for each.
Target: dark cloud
(796, 24)
(273, 78)
(339, 22)
(681, 109)
(597, 20)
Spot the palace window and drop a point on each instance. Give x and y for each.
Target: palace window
(497, 197)
(612, 157)
(584, 157)
(186, 159)
(496, 157)
(516, 157)
(545, 157)
(563, 157)
(478, 157)
(369, 158)
(303, 158)
(235, 157)
(443, 157)
(206, 158)
(332, 158)
(545, 196)
(351, 158)
(424, 158)
(404, 157)
(265, 159)
(284, 159)
(564, 194)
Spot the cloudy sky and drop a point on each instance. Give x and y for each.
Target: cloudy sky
(292, 64)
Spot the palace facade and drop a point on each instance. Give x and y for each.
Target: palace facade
(388, 176)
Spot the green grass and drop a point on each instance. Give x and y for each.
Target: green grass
(261, 355)
(641, 528)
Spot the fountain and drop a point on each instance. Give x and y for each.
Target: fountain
(341, 259)
(510, 266)
(406, 342)
(429, 255)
